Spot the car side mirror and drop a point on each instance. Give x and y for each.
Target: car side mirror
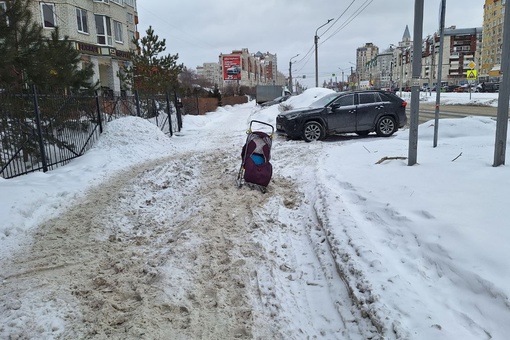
(335, 106)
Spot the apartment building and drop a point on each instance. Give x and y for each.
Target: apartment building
(464, 46)
(211, 73)
(364, 55)
(492, 42)
(102, 30)
(461, 51)
(248, 69)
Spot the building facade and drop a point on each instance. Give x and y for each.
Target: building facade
(211, 73)
(492, 42)
(102, 30)
(247, 69)
(365, 55)
(460, 53)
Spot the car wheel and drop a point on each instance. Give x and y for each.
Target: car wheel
(385, 126)
(312, 131)
(362, 133)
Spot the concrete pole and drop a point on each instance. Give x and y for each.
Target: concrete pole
(504, 94)
(316, 40)
(290, 72)
(439, 70)
(415, 82)
(401, 69)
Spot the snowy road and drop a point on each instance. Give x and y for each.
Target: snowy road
(172, 249)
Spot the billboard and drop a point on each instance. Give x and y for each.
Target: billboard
(231, 67)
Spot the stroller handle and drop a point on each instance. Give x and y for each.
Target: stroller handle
(263, 123)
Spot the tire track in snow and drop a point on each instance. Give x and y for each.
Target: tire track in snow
(173, 249)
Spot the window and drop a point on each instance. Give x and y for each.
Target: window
(117, 2)
(48, 15)
(104, 30)
(130, 3)
(81, 19)
(131, 35)
(347, 100)
(367, 98)
(105, 1)
(3, 16)
(130, 18)
(117, 27)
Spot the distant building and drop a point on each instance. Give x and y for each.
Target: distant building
(211, 73)
(382, 73)
(461, 53)
(464, 46)
(364, 55)
(246, 69)
(101, 30)
(492, 42)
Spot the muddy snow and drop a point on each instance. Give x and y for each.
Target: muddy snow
(173, 249)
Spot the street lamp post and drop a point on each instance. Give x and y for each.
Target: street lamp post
(316, 40)
(343, 69)
(356, 76)
(290, 72)
(401, 58)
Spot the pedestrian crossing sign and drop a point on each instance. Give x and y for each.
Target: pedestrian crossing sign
(471, 74)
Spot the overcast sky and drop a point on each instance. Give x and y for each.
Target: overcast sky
(199, 30)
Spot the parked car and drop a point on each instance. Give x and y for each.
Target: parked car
(277, 100)
(487, 87)
(462, 88)
(360, 112)
(449, 88)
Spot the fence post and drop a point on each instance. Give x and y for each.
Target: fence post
(178, 111)
(137, 100)
(39, 129)
(169, 113)
(98, 108)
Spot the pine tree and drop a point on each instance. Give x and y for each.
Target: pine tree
(20, 42)
(27, 57)
(150, 72)
(60, 70)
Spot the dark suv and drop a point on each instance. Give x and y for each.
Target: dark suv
(361, 112)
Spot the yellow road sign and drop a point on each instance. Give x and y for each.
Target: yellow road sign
(471, 74)
(472, 65)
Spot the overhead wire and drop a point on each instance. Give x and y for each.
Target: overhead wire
(308, 54)
(353, 16)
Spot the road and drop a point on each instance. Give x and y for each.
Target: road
(427, 111)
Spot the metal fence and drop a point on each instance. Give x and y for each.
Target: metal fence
(41, 132)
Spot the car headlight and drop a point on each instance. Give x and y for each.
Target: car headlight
(292, 115)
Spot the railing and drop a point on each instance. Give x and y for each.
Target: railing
(41, 132)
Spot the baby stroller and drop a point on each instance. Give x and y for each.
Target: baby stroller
(256, 171)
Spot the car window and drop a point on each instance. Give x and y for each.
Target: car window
(345, 100)
(389, 97)
(324, 100)
(367, 98)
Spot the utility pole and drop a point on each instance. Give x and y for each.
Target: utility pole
(504, 94)
(316, 40)
(290, 72)
(415, 82)
(439, 70)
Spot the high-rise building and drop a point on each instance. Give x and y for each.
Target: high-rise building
(364, 55)
(102, 30)
(492, 42)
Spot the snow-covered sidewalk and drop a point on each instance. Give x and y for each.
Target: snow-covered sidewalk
(148, 237)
